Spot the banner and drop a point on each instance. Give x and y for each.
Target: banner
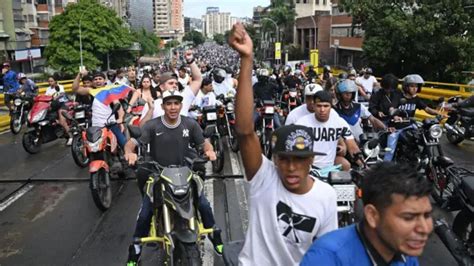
(278, 51)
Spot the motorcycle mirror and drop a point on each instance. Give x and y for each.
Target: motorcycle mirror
(66, 115)
(135, 132)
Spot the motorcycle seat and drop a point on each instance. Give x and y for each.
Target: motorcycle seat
(443, 161)
(467, 186)
(43, 98)
(468, 111)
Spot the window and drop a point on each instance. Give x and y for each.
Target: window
(29, 1)
(340, 32)
(325, 2)
(31, 18)
(317, 2)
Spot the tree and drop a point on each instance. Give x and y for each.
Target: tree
(148, 41)
(171, 44)
(194, 36)
(433, 38)
(102, 32)
(284, 14)
(219, 38)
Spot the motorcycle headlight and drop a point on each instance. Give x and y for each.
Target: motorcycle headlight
(230, 107)
(269, 110)
(17, 102)
(371, 153)
(94, 146)
(436, 131)
(181, 190)
(39, 116)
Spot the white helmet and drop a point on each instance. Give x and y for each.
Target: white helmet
(311, 89)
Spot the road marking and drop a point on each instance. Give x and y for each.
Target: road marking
(15, 197)
(234, 163)
(208, 250)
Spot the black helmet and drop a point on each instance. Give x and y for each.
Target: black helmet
(219, 75)
(413, 79)
(342, 75)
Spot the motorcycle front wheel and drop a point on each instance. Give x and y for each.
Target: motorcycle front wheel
(218, 164)
(29, 143)
(233, 142)
(267, 150)
(454, 138)
(101, 189)
(77, 152)
(187, 254)
(15, 124)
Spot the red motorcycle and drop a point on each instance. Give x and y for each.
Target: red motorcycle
(42, 123)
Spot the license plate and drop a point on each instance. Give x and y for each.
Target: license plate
(293, 94)
(80, 115)
(211, 116)
(269, 110)
(345, 192)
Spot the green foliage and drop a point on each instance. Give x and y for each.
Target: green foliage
(171, 44)
(431, 37)
(284, 14)
(194, 36)
(102, 32)
(219, 38)
(148, 41)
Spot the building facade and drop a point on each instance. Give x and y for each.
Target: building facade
(216, 23)
(141, 14)
(168, 19)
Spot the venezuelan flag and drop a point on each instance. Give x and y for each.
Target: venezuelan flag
(113, 92)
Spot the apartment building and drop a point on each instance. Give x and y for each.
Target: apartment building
(168, 19)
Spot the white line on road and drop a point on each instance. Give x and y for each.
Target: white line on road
(234, 163)
(15, 197)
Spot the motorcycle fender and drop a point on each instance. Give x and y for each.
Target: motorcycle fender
(96, 165)
(209, 130)
(186, 236)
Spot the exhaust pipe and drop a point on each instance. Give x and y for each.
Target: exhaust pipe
(454, 244)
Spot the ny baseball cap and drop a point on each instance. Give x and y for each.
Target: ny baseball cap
(172, 94)
(293, 140)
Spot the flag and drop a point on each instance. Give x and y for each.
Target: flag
(112, 93)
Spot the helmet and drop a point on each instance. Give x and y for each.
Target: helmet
(297, 72)
(346, 85)
(20, 76)
(352, 72)
(311, 89)
(327, 68)
(368, 70)
(218, 75)
(413, 79)
(342, 76)
(287, 70)
(264, 72)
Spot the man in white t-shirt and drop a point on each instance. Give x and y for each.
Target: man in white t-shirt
(307, 108)
(288, 209)
(183, 76)
(328, 129)
(169, 81)
(368, 81)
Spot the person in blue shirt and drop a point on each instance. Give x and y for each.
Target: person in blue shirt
(10, 83)
(26, 84)
(396, 227)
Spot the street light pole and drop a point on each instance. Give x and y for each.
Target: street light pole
(276, 28)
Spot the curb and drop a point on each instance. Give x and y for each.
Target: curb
(4, 123)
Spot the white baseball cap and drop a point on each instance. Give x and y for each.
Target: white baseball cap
(311, 89)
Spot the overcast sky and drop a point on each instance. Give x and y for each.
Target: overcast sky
(237, 8)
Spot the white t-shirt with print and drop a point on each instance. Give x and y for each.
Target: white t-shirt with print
(299, 112)
(184, 81)
(326, 136)
(283, 225)
(188, 98)
(368, 84)
(100, 114)
(50, 91)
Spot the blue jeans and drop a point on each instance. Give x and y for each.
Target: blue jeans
(121, 139)
(142, 228)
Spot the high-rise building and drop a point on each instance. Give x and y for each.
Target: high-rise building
(214, 23)
(141, 14)
(212, 9)
(168, 19)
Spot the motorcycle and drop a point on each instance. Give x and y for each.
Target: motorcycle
(291, 99)
(176, 225)
(19, 113)
(265, 127)
(42, 124)
(80, 121)
(210, 123)
(460, 238)
(460, 124)
(226, 113)
(105, 160)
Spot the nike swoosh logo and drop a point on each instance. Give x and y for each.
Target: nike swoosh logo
(159, 134)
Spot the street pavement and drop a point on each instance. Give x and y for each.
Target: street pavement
(55, 222)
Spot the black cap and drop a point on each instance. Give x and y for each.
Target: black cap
(293, 140)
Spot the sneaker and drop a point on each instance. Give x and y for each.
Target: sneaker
(217, 242)
(133, 257)
(69, 142)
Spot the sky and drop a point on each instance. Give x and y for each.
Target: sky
(237, 8)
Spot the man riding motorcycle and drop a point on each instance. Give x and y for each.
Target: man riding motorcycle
(265, 90)
(307, 108)
(172, 133)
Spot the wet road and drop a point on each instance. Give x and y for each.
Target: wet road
(57, 223)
